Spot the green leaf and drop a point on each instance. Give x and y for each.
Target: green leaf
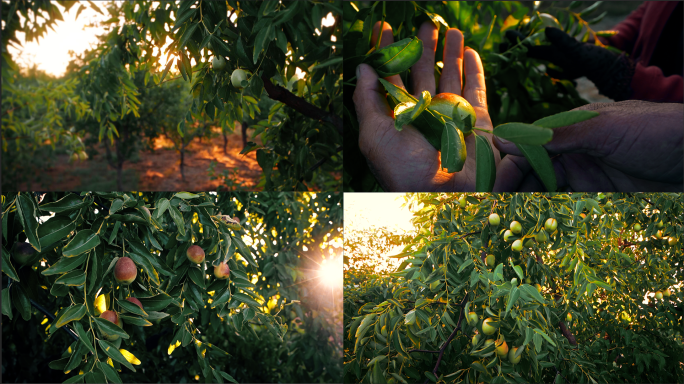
(83, 336)
(519, 272)
(75, 312)
(398, 93)
(453, 148)
(245, 299)
(541, 163)
(544, 335)
(7, 266)
(263, 38)
(21, 301)
(68, 203)
(565, 118)
(111, 374)
(131, 307)
(26, 211)
(178, 219)
(72, 279)
(84, 241)
(54, 230)
(6, 303)
(532, 291)
(110, 350)
(244, 251)
(65, 264)
(520, 133)
(135, 320)
(110, 328)
(485, 172)
(396, 58)
(512, 298)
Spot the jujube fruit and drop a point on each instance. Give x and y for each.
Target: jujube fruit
(23, 253)
(511, 356)
(637, 227)
(472, 319)
(238, 76)
(125, 270)
(222, 271)
(491, 260)
(501, 348)
(487, 328)
(659, 295)
(517, 245)
(219, 63)
(541, 237)
(135, 301)
(516, 227)
(550, 225)
(476, 339)
(114, 318)
(195, 254)
(494, 220)
(444, 103)
(462, 202)
(507, 235)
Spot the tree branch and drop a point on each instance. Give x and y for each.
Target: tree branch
(446, 343)
(278, 93)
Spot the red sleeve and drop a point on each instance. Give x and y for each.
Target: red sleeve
(628, 30)
(650, 84)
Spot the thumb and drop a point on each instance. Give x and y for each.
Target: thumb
(584, 137)
(369, 95)
(560, 38)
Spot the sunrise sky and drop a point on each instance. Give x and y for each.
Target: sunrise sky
(51, 52)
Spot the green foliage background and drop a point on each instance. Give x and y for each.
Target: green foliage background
(623, 334)
(270, 322)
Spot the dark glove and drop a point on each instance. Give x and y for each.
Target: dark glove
(612, 74)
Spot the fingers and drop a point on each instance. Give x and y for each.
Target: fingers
(510, 173)
(423, 72)
(369, 96)
(475, 90)
(386, 38)
(450, 82)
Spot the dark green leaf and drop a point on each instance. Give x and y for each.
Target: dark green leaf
(485, 173)
(541, 163)
(520, 133)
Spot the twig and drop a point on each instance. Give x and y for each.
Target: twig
(278, 93)
(319, 163)
(446, 343)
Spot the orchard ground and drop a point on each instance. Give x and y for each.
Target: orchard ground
(159, 169)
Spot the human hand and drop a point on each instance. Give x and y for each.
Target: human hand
(611, 73)
(405, 160)
(632, 146)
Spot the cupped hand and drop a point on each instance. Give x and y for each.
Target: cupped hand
(632, 146)
(405, 160)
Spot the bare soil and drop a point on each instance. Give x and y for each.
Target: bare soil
(159, 169)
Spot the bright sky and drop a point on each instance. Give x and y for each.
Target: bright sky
(51, 52)
(366, 210)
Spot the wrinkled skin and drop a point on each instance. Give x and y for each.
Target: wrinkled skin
(405, 161)
(631, 146)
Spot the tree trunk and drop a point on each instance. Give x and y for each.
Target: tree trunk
(244, 135)
(119, 176)
(182, 160)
